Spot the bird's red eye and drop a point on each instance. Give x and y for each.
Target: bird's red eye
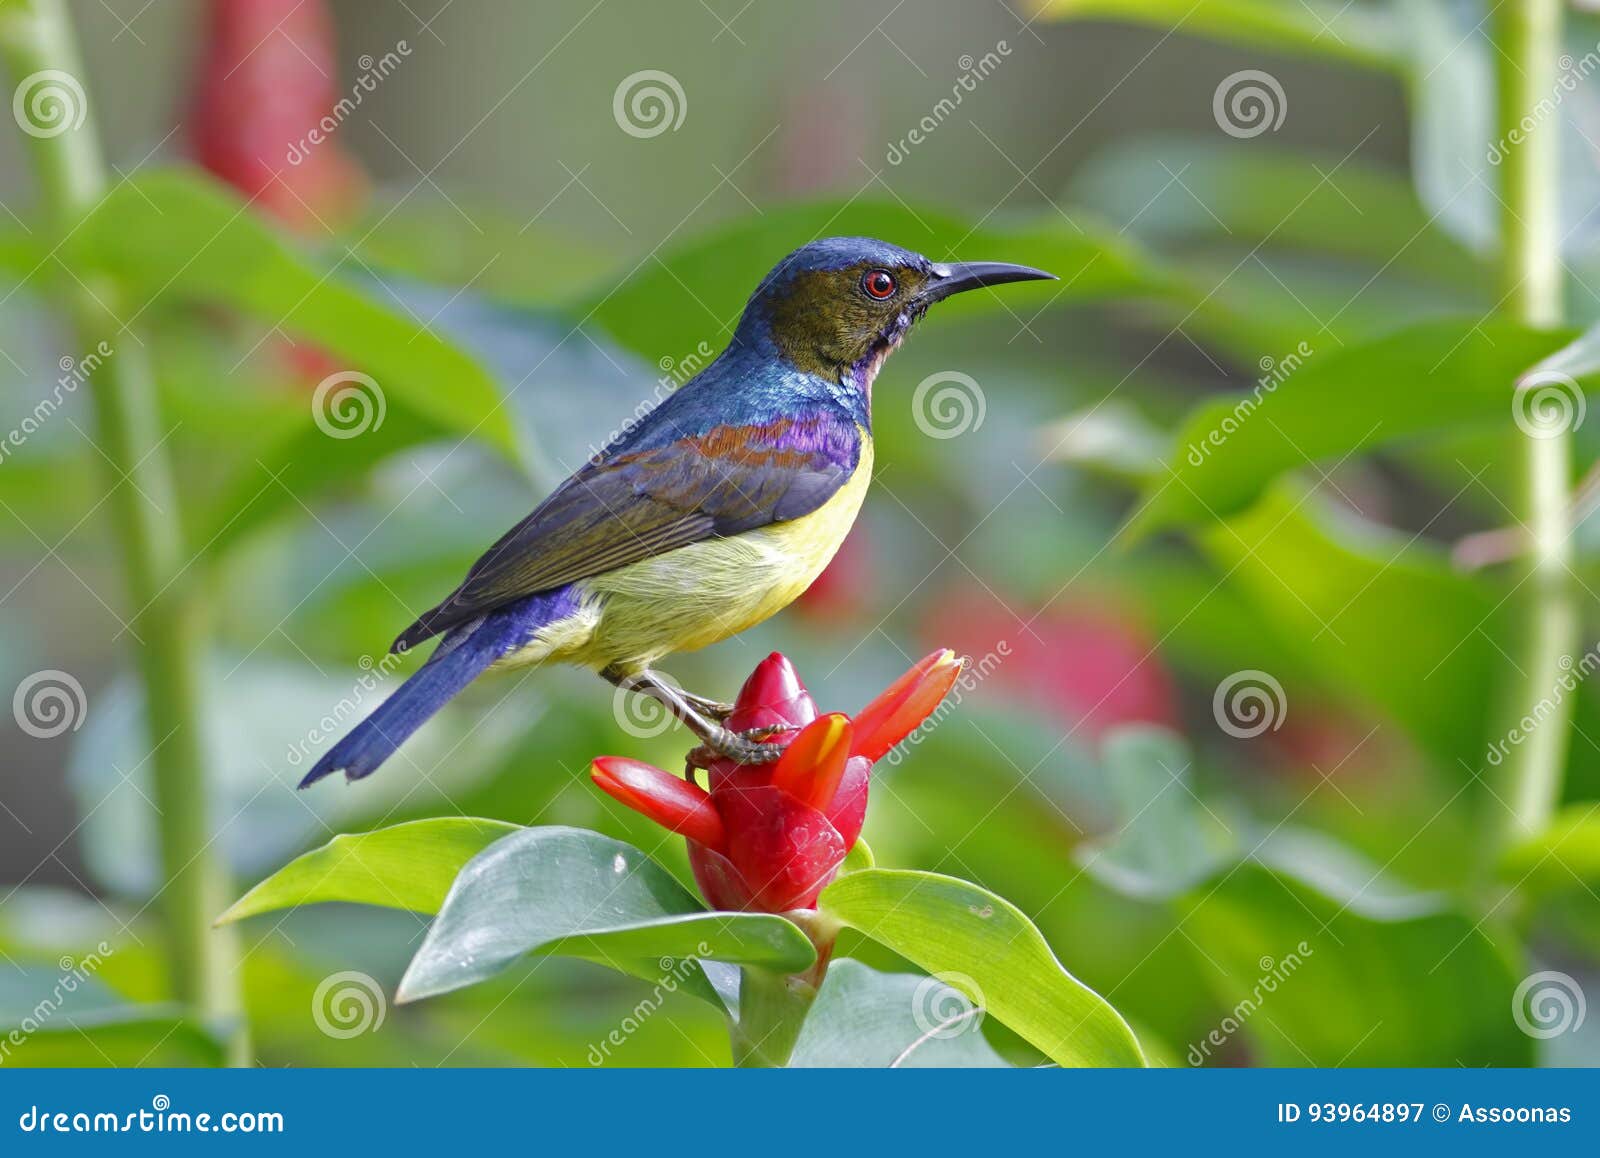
(879, 283)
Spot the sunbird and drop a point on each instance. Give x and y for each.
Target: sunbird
(710, 514)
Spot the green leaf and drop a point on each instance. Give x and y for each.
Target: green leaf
(172, 234)
(699, 289)
(1434, 376)
(1236, 194)
(1164, 844)
(859, 857)
(1564, 856)
(986, 947)
(577, 893)
(1341, 592)
(1350, 32)
(408, 866)
(1314, 954)
(866, 1019)
(124, 1036)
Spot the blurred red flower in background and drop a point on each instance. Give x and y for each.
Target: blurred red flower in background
(1088, 662)
(769, 837)
(267, 77)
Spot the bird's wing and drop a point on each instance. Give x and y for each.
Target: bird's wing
(636, 504)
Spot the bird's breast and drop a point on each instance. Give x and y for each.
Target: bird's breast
(697, 595)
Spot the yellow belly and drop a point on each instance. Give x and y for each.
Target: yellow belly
(703, 593)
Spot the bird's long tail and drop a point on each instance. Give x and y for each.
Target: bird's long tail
(460, 658)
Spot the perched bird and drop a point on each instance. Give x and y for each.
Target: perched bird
(709, 515)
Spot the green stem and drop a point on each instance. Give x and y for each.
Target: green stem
(1528, 37)
(167, 627)
(772, 1008)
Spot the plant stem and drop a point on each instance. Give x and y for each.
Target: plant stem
(167, 625)
(1528, 36)
(772, 1008)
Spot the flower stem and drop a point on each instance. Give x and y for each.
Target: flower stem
(167, 625)
(1528, 37)
(772, 1008)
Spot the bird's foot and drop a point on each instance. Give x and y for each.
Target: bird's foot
(740, 747)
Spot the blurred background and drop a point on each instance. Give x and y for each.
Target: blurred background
(578, 197)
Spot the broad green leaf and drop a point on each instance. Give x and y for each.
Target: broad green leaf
(1564, 856)
(574, 892)
(1314, 953)
(408, 866)
(1343, 592)
(1311, 981)
(1239, 195)
(859, 857)
(987, 948)
(119, 1037)
(174, 235)
(1164, 842)
(1434, 376)
(866, 1019)
(697, 290)
(1352, 32)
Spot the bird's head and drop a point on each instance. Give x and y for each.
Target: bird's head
(839, 306)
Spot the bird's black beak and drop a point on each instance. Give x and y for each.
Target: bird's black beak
(968, 275)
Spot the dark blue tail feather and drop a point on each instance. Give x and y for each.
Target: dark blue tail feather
(460, 658)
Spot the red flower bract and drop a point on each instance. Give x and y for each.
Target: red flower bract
(769, 837)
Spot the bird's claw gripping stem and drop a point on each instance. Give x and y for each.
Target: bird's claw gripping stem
(703, 717)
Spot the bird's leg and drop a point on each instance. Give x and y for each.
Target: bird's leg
(743, 748)
(715, 709)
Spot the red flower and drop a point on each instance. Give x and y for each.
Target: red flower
(769, 837)
(267, 82)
